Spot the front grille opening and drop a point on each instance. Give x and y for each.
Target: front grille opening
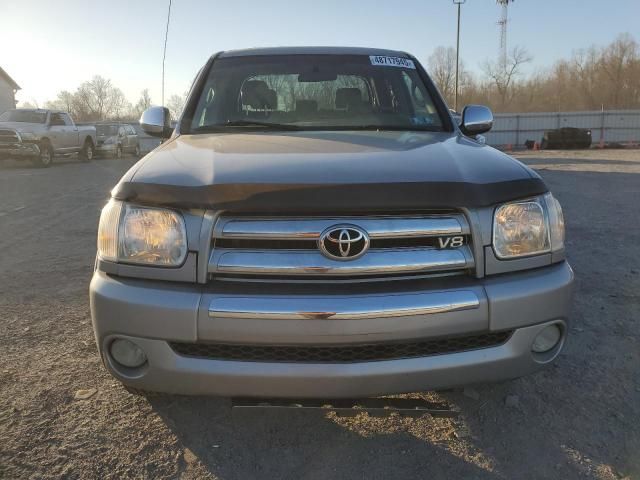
(339, 353)
(8, 136)
(295, 244)
(336, 280)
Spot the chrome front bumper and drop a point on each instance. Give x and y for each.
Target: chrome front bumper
(154, 313)
(19, 150)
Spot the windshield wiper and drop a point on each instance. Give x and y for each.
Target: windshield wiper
(246, 123)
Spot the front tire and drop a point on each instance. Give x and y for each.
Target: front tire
(87, 152)
(45, 159)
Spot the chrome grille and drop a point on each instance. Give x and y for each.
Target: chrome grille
(9, 136)
(287, 247)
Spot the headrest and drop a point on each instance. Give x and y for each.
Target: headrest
(306, 106)
(257, 94)
(346, 97)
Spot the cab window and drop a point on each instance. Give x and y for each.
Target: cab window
(56, 120)
(66, 119)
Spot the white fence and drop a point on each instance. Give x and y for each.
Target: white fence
(514, 129)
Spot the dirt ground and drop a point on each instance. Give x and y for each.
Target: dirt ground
(579, 418)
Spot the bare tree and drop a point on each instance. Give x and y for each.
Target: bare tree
(117, 104)
(93, 96)
(617, 59)
(175, 104)
(143, 103)
(65, 99)
(67, 102)
(501, 76)
(442, 68)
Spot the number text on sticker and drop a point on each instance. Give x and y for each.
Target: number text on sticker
(385, 61)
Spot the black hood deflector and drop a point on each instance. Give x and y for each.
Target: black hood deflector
(321, 172)
(379, 197)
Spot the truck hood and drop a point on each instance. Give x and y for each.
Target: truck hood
(326, 172)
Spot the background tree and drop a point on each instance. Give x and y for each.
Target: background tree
(143, 103)
(64, 101)
(442, 68)
(501, 75)
(617, 63)
(175, 104)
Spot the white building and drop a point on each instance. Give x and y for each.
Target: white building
(8, 89)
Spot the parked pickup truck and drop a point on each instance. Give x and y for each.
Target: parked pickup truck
(317, 225)
(39, 135)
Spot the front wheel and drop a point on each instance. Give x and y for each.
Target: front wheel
(86, 154)
(45, 158)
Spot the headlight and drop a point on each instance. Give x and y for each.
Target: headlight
(528, 227)
(141, 235)
(28, 136)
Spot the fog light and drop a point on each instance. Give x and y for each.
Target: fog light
(547, 339)
(127, 353)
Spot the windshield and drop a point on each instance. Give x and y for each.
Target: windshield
(314, 92)
(107, 130)
(23, 116)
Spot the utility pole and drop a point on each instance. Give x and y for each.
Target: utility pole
(164, 51)
(455, 101)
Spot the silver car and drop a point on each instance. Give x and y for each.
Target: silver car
(321, 227)
(116, 140)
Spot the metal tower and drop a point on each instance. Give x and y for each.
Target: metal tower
(504, 17)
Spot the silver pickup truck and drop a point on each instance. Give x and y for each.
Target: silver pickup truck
(39, 135)
(317, 225)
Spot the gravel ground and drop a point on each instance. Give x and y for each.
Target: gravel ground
(579, 418)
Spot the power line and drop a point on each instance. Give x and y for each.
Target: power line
(164, 53)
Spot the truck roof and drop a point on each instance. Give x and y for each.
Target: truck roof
(248, 52)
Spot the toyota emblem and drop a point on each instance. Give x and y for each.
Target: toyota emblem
(343, 242)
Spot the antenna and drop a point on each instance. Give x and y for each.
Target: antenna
(502, 22)
(164, 53)
(455, 101)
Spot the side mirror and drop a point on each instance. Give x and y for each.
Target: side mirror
(476, 119)
(156, 121)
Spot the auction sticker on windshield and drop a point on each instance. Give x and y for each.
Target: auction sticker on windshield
(391, 61)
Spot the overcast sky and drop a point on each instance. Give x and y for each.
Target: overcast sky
(53, 45)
